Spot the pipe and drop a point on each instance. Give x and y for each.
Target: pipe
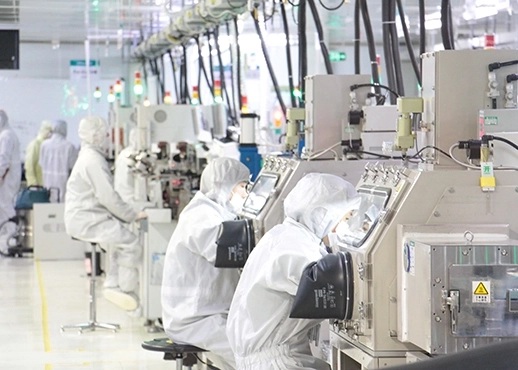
(288, 55)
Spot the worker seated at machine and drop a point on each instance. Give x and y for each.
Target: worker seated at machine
(266, 327)
(196, 295)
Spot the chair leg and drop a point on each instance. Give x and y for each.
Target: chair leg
(92, 324)
(179, 361)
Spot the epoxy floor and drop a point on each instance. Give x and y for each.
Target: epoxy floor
(37, 297)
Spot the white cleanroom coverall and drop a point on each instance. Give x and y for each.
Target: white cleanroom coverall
(33, 174)
(94, 212)
(57, 158)
(259, 329)
(10, 177)
(196, 295)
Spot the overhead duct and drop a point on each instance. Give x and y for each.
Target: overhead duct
(188, 23)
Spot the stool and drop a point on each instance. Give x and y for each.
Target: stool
(184, 354)
(92, 324)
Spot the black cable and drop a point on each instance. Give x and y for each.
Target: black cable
(342, 2)
(175, 82)
(199, 359)
(303, 53)
(200, 72)
(238, 52)
(320, 33)
(356, 86)
(446, 38)
(160, 82)
(288, 55)
(395, 49)
(144, 74)
(357, 37)
(232, 73)
(346, 150)
(371, 44)
(222, 76)
(269, 65)
(422, 28)
(498, 65)
(202, 63)
(187, 97)
(408, 42)
(450, 26)
(502, 139)
(211, 66)
(292, 3)
(430, 147)
(387, 47)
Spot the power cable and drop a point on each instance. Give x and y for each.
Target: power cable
(342, 2)
(371, 44)
(408, 42)
(238, 52)
(288, 55)
(320, 33)
(357, 37)
(269, 65)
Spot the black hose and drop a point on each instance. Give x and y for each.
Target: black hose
(303, 52)
(502, 139)
(288, 55)
(387, 48)
(175, 82)
(211, 65)
(160, 82)
(450, 26)
(269, 65)
(187, 96)
(395, 49)
(238, 66)
(200, 72)
(408, 42)
(320, 33)
(357, 37)
(371, 44)
(222, 76)
(445, 28)
(204, 70)
(356, 86)
(422, 29)
(232, 72)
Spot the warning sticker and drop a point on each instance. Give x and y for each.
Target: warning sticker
(481, 291)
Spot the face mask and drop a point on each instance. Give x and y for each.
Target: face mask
(237, 202)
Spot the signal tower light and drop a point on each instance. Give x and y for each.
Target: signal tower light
(97, 93)
(217, 92)
(195, 96)
(111, 95)
(138, 89)
(167, 98)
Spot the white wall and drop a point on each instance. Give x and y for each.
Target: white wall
(41, 88)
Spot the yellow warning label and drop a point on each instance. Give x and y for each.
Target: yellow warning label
(481, 289)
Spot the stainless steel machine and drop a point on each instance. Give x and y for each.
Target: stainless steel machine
(433, 248)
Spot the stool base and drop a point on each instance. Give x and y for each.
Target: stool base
(91, 326)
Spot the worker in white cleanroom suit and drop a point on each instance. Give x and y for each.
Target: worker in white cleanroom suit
(259, 329)
(57, 158)
(10, 178)
(196, 296)
(124, 185)
(33, 174)
(94, 212)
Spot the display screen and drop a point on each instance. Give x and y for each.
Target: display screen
(260, 193)
(358, 224)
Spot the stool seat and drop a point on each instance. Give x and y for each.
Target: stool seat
(184, 354)
(167, 345)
